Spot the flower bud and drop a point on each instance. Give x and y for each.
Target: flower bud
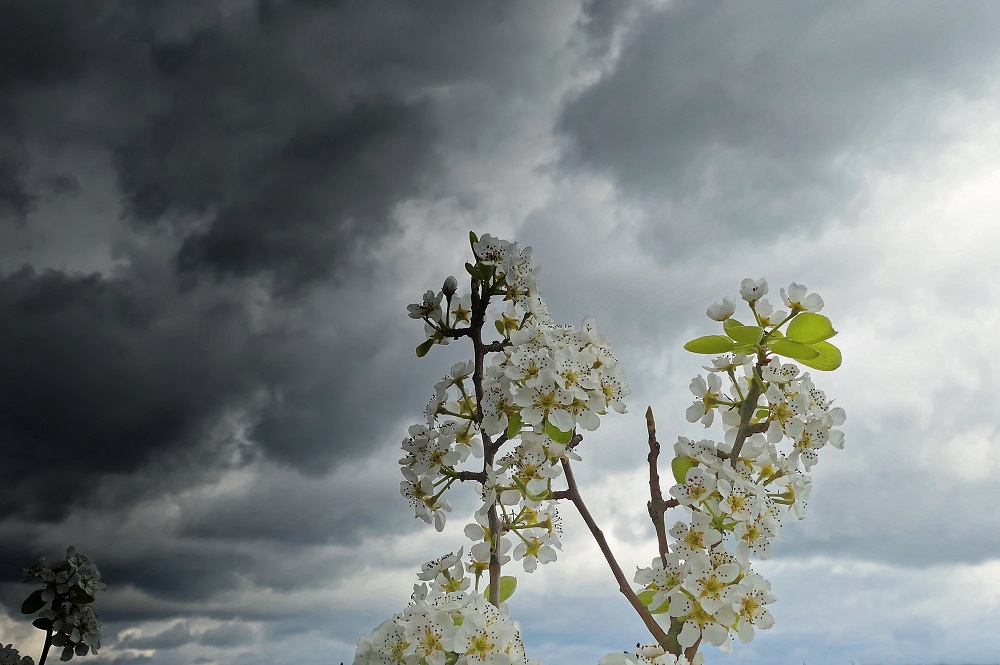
(450, 286)
(722, 311)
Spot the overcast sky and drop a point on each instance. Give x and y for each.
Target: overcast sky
(214, 213)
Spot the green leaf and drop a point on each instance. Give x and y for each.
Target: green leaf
(808, 328)
(829, 357)
(42, 624)
(424, 348)
(793, 350)
(647, 597)
(711, 344)
(33, 603)
(557, 434)
(473, 238)
(499, 325)
(513, 425)
(471, 269)
(79, 596)
(680, 466)
(507, 585)
(731, 323)
(745, 334)
(760, 414)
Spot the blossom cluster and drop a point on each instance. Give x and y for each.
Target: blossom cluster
(444, 623)
(543, 381)
(66, 596)
(532, 392)
(733, 490)
(10, 656)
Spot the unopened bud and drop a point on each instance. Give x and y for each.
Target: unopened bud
(722, 311)
(450, 286)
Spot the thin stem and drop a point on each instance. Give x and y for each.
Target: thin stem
(45, 649)
(573, 494)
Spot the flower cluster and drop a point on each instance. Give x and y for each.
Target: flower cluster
(544, 380)
(444, 624)
(733, 490)
(10, 656)
(68, 617)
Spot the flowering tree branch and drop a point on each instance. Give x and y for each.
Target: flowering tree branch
(547, 382)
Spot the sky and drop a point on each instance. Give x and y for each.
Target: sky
(213, 214)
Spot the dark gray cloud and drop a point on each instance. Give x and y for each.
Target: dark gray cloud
(729, 120)
(101, 376)
(258, 151)
(213, 131)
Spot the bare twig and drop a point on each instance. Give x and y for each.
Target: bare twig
(656, 505)
(573, 494)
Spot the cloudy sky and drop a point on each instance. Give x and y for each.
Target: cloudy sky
(213, 214)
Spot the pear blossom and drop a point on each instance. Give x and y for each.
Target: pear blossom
(698, 485)
(534, 550)
(751, 290)
(662, 577)
(695, 537)
(767, 316)
(707, 583)
(429, 307)
(795, 299)
(545, 402)
(707, 393)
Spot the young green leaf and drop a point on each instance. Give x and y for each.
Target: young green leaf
(557, 434)
(79, 596)
(507, 585)
(647, 596)
(711, 344)
(829, 357)
(513, 425)
(680, 466)
(731, 323)
(43, 623)
(808, 328)
(33, 603)
(424, 348)
(745, 335)
(793, 350)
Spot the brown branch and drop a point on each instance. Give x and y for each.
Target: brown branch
(747, 410)
(623, 584)
(479, 304)
(478, 476)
